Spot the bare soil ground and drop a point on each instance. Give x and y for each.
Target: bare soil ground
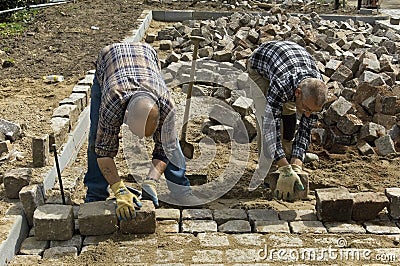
(61, 41)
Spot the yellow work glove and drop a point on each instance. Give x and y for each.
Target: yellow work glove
(287, 181)
(125, 199)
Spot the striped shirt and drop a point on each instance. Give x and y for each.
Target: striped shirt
(122, 70)
(285, 64)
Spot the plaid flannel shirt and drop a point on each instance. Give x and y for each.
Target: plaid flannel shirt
(285, 64)
(122, 70)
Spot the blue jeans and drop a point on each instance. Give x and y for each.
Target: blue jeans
(94, 180)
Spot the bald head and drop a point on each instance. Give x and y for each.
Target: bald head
(142, 116)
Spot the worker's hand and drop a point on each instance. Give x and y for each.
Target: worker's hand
(149, 190)
(125, 199)
(288, 181)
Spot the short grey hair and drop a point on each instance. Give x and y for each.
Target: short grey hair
(315, 89)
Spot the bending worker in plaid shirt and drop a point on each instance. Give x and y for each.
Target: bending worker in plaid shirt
(128, 86)
(288, 77)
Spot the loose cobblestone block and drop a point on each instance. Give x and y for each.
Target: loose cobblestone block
(208, 256)
(53, 196)
(31, 197)
(235, 226)
(393, 195)
(199, 226)
(5, 145)
(342, 74)
(308, 227)
(365, 148)
(86, 89)
(243, 106)
(213, 239)
(12, 131)
(75, 241)
(206, 52)
(336, 110)
(224, 115)
(40, 150)
(59, 252)
(167, 226)
(371, 78)
(369, 61)
(331, 67)
(53, 222)
(371, 131)
(144, 221)
(224, 215)
(197, 214)
(394, 20)
(97, 218)
(222, 56)
(344, 228)
(298, 215)
(385, 120)
(87, 80)
(367, 205)
(385, 145)
(15, 179)
(334, 204)
(60, 127)
(168, 214)
(271, 227)
(165, 45)
(382, 228)
(150, 38)
(31, 246)
(220, 133)
(349, 124)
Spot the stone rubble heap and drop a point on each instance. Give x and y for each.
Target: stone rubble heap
(358, 61)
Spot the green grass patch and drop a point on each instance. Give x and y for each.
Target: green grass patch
(16, 23)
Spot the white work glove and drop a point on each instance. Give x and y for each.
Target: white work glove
(288, 181)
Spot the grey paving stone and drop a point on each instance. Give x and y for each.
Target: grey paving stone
(197, 214)
(168, 214)
(53, 222)
(382, 228)
(223, 215)
(298, 215)
(344, 228)
(305, 227)
(271, 227)
(31, 246)
(213, 239)
(31, 197)
(26, 260)
(250, 239)
(393, 195)
(14, 180)
(75, 241)
(242, 255)
(40, 150)
(284, 241)
(262, 215)
(334, 204)
(59, 252)
(367, 205)
(95, 240)
(97, 218)
(199, 226)
(168, 256)
(208, 256)
(167, 226)
(235, 227)
(144, 221)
